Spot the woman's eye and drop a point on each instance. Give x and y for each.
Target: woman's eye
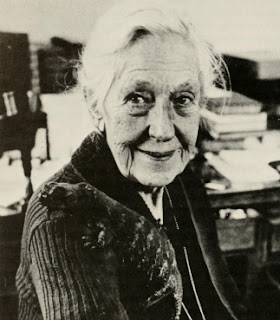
(135, 98)
(184, 103)
(138, 104)
(183, 100)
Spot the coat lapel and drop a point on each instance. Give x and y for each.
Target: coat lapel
(205, 229)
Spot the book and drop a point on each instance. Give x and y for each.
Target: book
(9, 110)
(233, 118)
(261, 65)
(222, 101)
(218, 124)
(12, 101)
(232, 136)
(216, 146)
(3, 109)
(10, 104)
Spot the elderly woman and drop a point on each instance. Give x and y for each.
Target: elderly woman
(144, 73)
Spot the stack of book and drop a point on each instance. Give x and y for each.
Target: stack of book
(230, 117)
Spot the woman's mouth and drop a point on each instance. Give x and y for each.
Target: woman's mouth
(158, 155)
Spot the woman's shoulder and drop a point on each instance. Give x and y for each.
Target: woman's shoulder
(36, 213)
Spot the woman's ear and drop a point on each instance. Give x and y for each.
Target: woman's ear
(101, 124)
(98, 119)
(88, 93)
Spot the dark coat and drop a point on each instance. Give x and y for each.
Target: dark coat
(55, 279)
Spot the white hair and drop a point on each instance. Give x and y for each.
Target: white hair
(120, 27)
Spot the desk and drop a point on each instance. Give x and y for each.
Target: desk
(262, 198)
(255, 196)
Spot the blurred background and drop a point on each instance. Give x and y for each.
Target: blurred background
(240, 24)
(43, 119)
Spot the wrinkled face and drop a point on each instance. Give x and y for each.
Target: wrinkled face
(151, 111)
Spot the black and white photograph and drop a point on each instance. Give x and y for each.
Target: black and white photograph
(139, 160)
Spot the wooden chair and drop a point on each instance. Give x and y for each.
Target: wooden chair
(20, 119)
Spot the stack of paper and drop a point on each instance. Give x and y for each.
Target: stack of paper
(246, 167)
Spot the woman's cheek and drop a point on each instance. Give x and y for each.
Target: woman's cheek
(188, 132)
(127, 129)
(122, 134)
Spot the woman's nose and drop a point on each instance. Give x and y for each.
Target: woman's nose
(161, 125)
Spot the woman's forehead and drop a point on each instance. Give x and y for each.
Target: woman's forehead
(178, 82)
(167, 50)
(168, 59)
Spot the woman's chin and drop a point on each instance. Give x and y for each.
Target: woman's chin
(155, 183)
(155, 179)
(150, 172)
(157, 173)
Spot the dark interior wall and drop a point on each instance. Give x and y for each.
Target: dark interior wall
(15, 70)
